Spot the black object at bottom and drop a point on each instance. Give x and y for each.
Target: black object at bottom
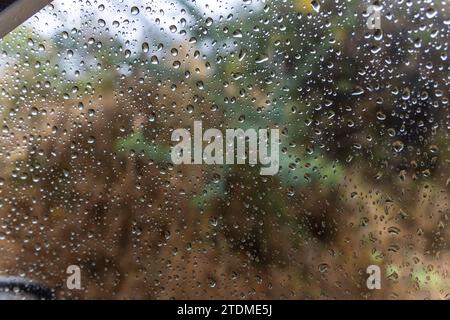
(4, 4)
(17, 288)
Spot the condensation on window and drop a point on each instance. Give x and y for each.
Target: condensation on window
(356, 94)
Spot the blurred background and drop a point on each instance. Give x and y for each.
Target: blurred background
(90, 92)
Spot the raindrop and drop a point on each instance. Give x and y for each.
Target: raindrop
(398, 146)
(315, 5)
(134, 11)
(431, 13)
